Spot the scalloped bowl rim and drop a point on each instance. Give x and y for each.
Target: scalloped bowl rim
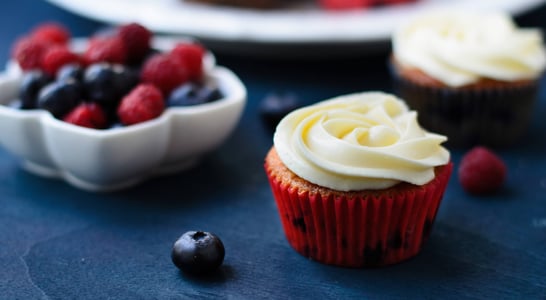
(230, 107)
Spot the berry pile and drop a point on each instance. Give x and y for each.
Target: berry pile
(118, 79)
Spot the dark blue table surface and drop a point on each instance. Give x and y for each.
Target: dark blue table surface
(57, 242)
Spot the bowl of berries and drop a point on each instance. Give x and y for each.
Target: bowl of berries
(109, 111)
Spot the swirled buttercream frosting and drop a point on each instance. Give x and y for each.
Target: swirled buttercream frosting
(459, 48)
(359, 141)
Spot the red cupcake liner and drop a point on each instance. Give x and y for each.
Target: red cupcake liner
(370, 230)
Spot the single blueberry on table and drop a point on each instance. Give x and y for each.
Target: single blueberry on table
(31, 84)
(274, 106)
(198, 252)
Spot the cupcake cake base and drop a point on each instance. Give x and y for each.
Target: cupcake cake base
(368, 228)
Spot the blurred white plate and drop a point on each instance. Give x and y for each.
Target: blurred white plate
(286, 30)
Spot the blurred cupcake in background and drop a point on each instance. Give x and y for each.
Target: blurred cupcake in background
(471, 76)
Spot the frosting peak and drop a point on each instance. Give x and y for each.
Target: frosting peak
(359, 141)
(459, 48)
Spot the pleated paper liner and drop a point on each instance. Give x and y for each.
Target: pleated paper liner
(495, 115)
(355, 229)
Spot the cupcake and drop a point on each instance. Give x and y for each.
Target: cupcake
(356, 180)
(473, 77)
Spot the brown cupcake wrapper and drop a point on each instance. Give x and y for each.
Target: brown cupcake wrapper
(378, 229)
(493, 116)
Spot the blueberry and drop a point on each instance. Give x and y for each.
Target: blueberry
(275, 106)
(70, 71)
(60, 97)
(32, 83)
(192, 93)
(198, 252)
(107, 83)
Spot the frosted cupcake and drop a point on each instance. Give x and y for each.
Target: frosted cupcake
(473, 77)
(356, 180)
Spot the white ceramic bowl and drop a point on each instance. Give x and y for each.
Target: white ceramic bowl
(112, 159)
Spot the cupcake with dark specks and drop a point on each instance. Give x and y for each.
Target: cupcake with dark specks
(357, 181)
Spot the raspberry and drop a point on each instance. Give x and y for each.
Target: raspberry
(191, 56)
(137, 39)
(89, 115)
(143, 103)
(57, 56)
(29, 52)
(105, 49)
(164, 72)
(52, 33)
(481, 171)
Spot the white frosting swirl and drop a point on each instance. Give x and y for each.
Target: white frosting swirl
(359, 141)
(459, 48)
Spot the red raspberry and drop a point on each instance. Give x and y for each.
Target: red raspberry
(105, 49)
(137, 39)
(481, 171)
(345, 4)
(143, 103)
(52, 33)
(89, 115)
(57, 56)
(29, 52)
(191, 56)
(165, 72)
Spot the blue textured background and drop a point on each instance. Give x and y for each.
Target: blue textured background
(57, 242)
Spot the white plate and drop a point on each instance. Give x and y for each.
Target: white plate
(230, 27)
